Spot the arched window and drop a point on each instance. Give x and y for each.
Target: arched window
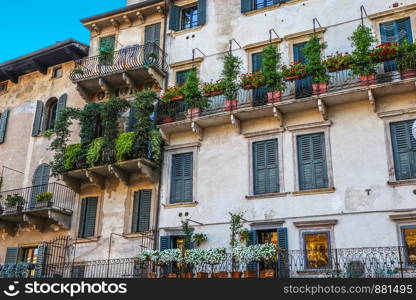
(50, 114)
(40, 182)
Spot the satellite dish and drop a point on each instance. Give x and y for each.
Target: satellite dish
(414, 130)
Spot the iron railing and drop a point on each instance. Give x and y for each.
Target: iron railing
(296, 89)
(387, 262)
(62, 198)
(134, 57)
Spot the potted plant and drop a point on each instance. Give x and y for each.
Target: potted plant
(15, 201)
(193, 94)
(252, 80)
(313, 53)
(213, 257)
(213, 88)
(246, 255)
(170, 256)
(231, 70)
(199, 238)
(294, 71)
(150, 257)
(272, 76)
(363, 65)
(385, 52)
(236, 226)
(192, 258)
(406, 60)
(268, 254)
(338, 62)
(244, 236)
(172, 93)
(45, 197)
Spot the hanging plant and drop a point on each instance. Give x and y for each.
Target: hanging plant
(362, 41)
(70, 157)
(95, 152)
(89, 122)
(124, 146)
(406, 60)
(199, 238)
(156, 145)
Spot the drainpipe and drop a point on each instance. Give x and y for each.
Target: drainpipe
(165, 28)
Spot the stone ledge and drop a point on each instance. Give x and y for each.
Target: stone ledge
(185, 31)
(313, 192)
(266, 196)
(87, 240)
(179, 205)
(402, 182)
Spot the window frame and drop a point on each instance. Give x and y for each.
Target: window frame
(316, 232)
(194, 7)
(54, 72)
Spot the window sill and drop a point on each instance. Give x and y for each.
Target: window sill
(135, 235)
(179, 205)
(266, 196)
(313, 192)
(185, 31)
(402, 182)
(87, 240)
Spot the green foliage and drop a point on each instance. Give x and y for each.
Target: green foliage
(271, 64)
(156, 144)
(14, 200)
(313, 51)
(188, 232)
(70, 157)
(95, 152)
(244, 235)
(44, 197)
(48, 133)
(406, 59)
(362, 41)
(105, 54)
(110, 114)
(199, 238)
(193, 92)
(89, 121)
(124, 145)
(231, 70)
(235, 226)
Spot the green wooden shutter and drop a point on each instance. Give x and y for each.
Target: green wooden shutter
(266, 168)
(404, 150)
(12, 255)
(253, 240)
(132, 118)
(165, 243)
(404, 30)
(152, 34)
(141, 211)
(182, 177)
(174, 17)
(181, 77)
(135, 214)
(3, 124)
(283, 243)
(202, 12)
(88, 217)
(61, 105)
(37, 122)
(41, 257)
(257, 62)
(246, 6)
(312, 162)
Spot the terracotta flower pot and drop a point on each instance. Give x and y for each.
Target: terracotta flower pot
(291, 78)
(152, 275)
(231, 104)
(235, 275)
(177, 98)
(319, 88)
(188, 275)
(267, 274)
(166, 120)
(368, 79)
(201, 275)
(221, 275)
(248, 86)
(406, 74)
(172, 275)
(194, 113)
(249, 274)
(274, 97)
(215, 93)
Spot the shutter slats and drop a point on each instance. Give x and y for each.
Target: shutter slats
(246, 6)
(182, 178)
(12, 255)
(165, 243)
(144, 210)
(40, 260)
(135, 213)
(88, 217)
(404, 150)
(202, 12)
(174, 17)
(36, 129)
(3, 124)
(265, 166)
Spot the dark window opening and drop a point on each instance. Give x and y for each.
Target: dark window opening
(189, 17)
(181, 77)
(3, 87)
(99, 130)
(51, 115)
(57, 72)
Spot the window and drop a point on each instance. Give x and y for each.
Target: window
(3, 87)
(182, 178)
(4, 116)
(189, 17)
(181, 77)
(46, 115)
(303, 86)
(312, 166)
(250, 5)
(404, 150)
(409, 241)
(259, 94)
(50, 117)
(141, 211)
(267, 237)
(264, 3)
(57, 72)
(108, 45)
(88, 216)
(317, 250)
(266, 167)
(181, 18)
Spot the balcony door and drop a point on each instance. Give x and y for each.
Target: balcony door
(303, 86)
(107, 46)
(151, 43)
(259, 94)
(39, 183)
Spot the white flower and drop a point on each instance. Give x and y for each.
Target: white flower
(215, 256)
(195, 256)
(149, 255)
(170, 255)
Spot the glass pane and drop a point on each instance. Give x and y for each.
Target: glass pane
(410, 240)
(189, 17)
(267, 237)
(317, 250)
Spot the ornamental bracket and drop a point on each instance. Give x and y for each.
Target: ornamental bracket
(72, 183)
(96, 179)
(140, 17)
(128, 80)
(147, 171)
(372, 100)
(104, 86)
(127, 20)
(236, 122)
(323, 109)
(278, 115)
(165, 135)
(197, 130)
(83, 92)
(119, 174)
(115, 24)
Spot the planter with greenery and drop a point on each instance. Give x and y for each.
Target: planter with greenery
(385, 52)
(15, 201)
(294, 71)
(169, 257)
(172, 93)
(45, 197)
(252, 80)
(338, 62)
(313, 51)
(273, 77)
(212, 89)
(193, 94)
(229, 77)
(406, 60)
(362, 41)
(199, 238)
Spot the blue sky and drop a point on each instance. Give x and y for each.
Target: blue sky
(29, 25)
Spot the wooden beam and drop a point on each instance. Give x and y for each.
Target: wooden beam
(119, 174)
(129, 80)
(323, 109)
(236, 122)
(372, 100)
(72, 183)
(197, 130)
(96, 179)
(40, 67)
(278, 115)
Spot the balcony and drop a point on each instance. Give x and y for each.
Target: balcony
(129, 68)
(343, 87)
(30, 211)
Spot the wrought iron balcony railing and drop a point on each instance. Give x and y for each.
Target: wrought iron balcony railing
(28, 199)
(342, 80)
(130, 58)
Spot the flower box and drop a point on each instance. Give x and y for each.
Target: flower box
(202, 275)
(231, 105)
(172, 93)
(291, 78)
(338, 62)
(294, 71)
(249, 274)
(252, 80)
(152, 275)
(172, 275)
(267, 273)
(187, 275)
(406, 74)
(236, 275)
(385, 52)
(166, 120)
(177, 98)
(213, 88)
(221, 275)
